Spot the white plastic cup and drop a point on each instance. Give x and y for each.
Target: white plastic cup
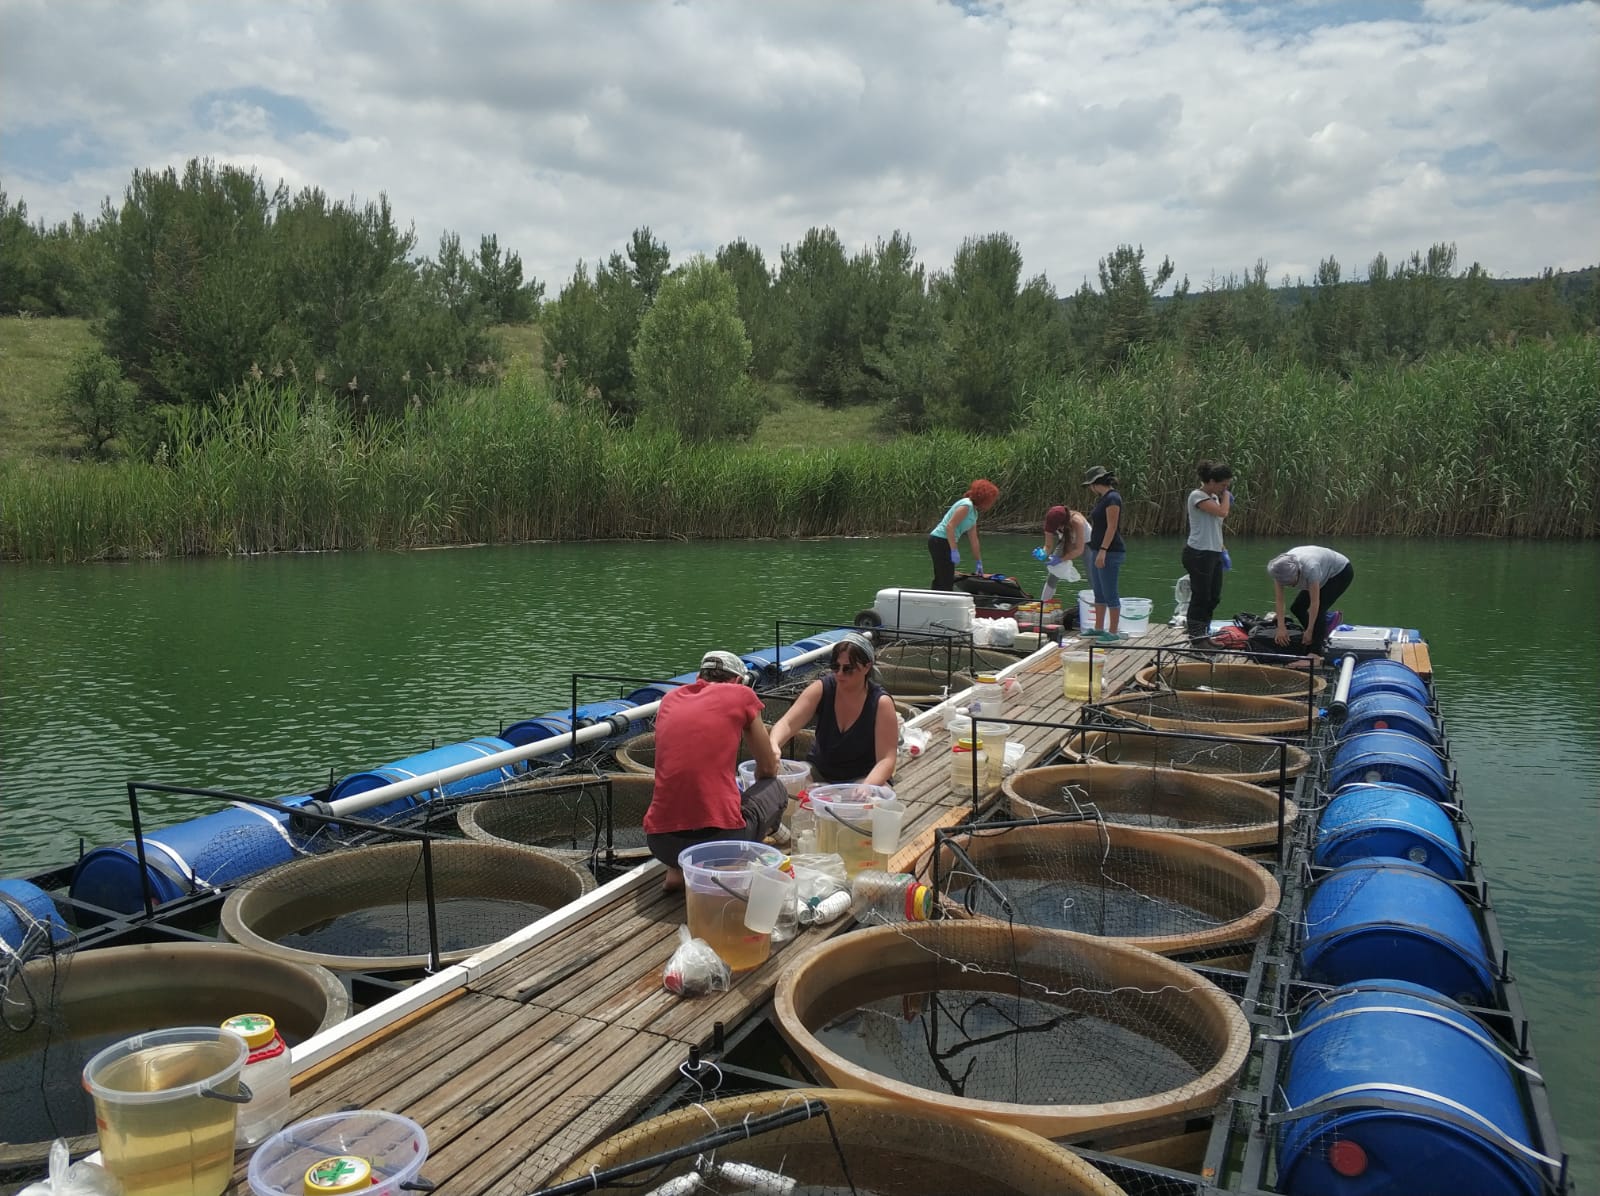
(769, 890)
(886, 819)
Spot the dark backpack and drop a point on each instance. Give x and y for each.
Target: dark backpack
(992, 586)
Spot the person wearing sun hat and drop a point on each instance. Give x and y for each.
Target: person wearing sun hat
(1106, 550)
(696, 795)
(857, 732)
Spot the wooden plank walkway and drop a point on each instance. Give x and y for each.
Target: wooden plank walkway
(525, 1067)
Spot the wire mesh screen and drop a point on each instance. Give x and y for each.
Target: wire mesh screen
(1216, 809)
(1158, 891)
(841, 1143)
(1242, 677)
(578, 816)
(368, 908)
(944, 657)
(1255, 761)
(1056, 1032)
(638, 755)
(1212, 713)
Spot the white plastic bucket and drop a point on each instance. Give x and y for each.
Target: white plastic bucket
(1134, 620)
(795, 775)
(1085, 610)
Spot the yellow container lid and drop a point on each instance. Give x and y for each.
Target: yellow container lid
(988, 679)
(968, 745)
(256, 1029)
(337, 1174)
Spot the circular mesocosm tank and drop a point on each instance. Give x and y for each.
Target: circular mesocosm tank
(566, 815)
(1165, 893)
(638, 755)
(61, 1011)
(1263, 680)
(366, 909)
(1214, 809)
(1059, 1033)
(1212, 713)
(1254, 760)
(887, 1148)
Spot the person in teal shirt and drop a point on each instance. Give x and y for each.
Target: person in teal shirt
(961, 517)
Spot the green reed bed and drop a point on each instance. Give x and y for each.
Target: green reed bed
(1497, 442)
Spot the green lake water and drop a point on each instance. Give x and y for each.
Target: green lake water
(270, 675)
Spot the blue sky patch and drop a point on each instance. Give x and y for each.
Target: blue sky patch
(281, 116)
(54, 151)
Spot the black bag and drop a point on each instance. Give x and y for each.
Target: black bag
(1263, 633)
(993, 586)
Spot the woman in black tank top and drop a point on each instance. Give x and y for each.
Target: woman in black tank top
(857, 732)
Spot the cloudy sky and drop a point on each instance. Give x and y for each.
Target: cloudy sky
(1217, 133)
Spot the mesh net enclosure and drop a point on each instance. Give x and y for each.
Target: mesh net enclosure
(946, 658)
(1051, 1031)
(1248, 677)
(1215, 809)
(368, 908)
(1211, 713)
(1165, 893)
(921, 686)
(829, 1142)
(1255, 761)
(61, 1006)
(638, 755)
(578, 816)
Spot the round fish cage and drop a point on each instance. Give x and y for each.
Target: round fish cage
(566, 815)
(1252, 760)
(1211, 713)
(1057, 1033)
(62, 1010)
(638, 755)
(366, 909)
(866, 1144)
(1213, 809)
(1261, 680)
(1166, 893)
(939, 658)
(922, 687)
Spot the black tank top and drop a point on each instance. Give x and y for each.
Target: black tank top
(848, 755)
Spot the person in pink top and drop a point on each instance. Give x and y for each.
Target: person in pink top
(696, 797)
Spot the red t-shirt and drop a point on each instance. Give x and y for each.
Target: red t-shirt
(697, 747)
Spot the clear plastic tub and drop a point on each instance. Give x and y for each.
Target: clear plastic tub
(844, 823)
(716, 877)
(395, 1148)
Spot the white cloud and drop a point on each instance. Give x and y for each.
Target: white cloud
(1216, 135)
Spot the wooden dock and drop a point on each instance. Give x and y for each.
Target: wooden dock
(520, 1069)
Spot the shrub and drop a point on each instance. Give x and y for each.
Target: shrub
(96, 400)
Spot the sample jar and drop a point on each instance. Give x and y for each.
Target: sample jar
(1082, 674)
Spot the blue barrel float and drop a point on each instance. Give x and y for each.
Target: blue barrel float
(191, 857)
(1392, 822)
(424, 763)
(1393, 1089)
(1388, 676)
(1389, 756)
(23, 905)
(1389, 712)
(1386, 918)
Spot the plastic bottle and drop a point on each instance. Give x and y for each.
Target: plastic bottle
(987, 696)
(788, 923)
(803, 825)
(267, 1073)
(890, 897)
(961, 770)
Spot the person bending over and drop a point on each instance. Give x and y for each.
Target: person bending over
(696, 796)
(857, 734)
(1321, 575)
(961, 517)
(1066, 535)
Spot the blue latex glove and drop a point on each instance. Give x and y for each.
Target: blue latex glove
(977, 567)
(1052, 560)
(955, 556)
(1227, 561)
(1038, 554)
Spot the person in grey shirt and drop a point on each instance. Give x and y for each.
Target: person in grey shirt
(1321, 575)
(1208, 505)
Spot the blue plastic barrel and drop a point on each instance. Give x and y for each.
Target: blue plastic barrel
(1392, 822)
(597, 712)
(654, 692)
(424, 763)
(1389, 756)
(22, 905)
(768, 663)
(822, 639)
(1389, 712)
(210, 851)
(1375, 918)
(532, 730)
(1392, 1089)
(1391, 677)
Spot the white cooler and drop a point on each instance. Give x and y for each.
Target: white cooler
(925, 610)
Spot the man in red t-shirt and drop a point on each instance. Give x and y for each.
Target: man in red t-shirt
(696, 798)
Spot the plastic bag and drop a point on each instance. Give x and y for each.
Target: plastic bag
(817, 877)
(67, 1178)
(695, 968)
(913, 741)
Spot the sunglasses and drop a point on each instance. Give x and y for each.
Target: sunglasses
(848, 666)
